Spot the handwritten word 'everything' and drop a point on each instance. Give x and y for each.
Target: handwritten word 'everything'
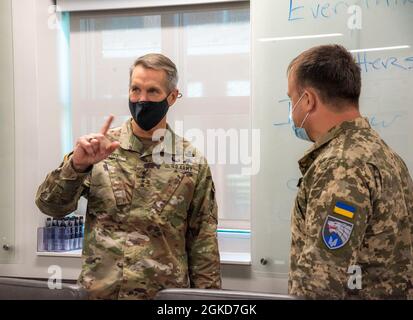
(299, 10)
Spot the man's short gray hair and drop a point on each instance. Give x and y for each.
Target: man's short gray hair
(158, 61)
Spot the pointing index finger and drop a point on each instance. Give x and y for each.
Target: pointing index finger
(106, 125)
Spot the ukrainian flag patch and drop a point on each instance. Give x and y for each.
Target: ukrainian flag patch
(344, 209)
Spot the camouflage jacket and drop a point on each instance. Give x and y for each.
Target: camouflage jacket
(149, 225)
(352, 223)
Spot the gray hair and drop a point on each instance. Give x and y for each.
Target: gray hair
(158, 61)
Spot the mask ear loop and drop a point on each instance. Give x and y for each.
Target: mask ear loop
(179, 96)
(305, 118)
(296, 104)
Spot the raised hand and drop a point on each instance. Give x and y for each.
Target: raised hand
(92, 148)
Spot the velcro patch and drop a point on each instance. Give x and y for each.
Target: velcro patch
(336, 232)
(344, 209)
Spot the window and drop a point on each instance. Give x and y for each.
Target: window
(211, 48)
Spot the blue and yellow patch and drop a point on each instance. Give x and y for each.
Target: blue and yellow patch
(336, 232)
(344, 209)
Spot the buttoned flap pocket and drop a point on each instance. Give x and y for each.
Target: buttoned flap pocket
(164, 195)
(121, 177)
(172, 201)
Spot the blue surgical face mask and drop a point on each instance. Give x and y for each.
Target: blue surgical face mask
(299, 132)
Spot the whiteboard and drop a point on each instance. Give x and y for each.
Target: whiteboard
(385, 41)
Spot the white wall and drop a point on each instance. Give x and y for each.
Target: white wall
(6, 132)
(38, 133)
(37, 127)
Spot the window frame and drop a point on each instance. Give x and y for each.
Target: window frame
(94, 5)
(224, 224)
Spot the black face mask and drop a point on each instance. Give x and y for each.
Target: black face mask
(147, 114)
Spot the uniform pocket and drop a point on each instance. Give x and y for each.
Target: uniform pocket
(171, 202)
(162, 197)
(121, 179)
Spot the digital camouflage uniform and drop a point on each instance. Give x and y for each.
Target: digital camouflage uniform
(354, 207)
(149, 226)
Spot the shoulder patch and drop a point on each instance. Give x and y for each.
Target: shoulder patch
(336, 232)
(344, 209)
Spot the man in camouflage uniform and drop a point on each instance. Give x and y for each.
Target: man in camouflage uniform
(352, 223)
(152, 215)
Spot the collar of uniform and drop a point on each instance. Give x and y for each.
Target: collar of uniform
(129, 141)
(312, 154)
(169, 145)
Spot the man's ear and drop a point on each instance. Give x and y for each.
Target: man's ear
(313, 100)
(172, 97)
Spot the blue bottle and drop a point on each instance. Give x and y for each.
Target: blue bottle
(81, 232)
(77, 239)
(53, 246)
(72, 233)
(66, 236)
(47, 235)
(61, 235)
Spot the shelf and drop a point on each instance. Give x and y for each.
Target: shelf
(239, 258)
(68, 254)
(226, 257)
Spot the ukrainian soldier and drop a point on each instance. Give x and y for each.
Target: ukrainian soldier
(352, 223)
